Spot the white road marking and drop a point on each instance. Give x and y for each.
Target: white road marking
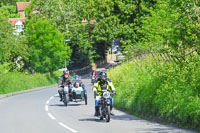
(46, 108)
(51, 116)
(72, 130)
(47, 102)
(89, 83)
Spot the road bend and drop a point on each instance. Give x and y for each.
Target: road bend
(42, 112)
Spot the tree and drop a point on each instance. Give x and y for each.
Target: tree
(11, 2)
(11, 46)
(83, 49)
(10, 11)
(172, 23)
(48, 51)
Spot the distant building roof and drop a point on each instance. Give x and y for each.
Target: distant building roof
(84, 21)
(93, 21)
(22, 5)
(14, 20)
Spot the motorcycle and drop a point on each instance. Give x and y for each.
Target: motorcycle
(73, 95)
(65, 95)
(104, 105)
(94, 80)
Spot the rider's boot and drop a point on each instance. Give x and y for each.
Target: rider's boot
(111, 112)
(60, 95)
(70, 97)
(96, 111)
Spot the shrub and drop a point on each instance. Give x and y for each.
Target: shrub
(168, 91)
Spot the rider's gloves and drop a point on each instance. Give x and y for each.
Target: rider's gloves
(95, 94)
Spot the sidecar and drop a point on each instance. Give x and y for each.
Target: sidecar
(78, 93)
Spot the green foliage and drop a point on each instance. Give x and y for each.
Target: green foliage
(46, 47)
(15, 81)
(11, 2)
(11, 46)
(66, 15)
(167, 91)
(170, 23)
(83, 50)
(6, 38)
(9, 11)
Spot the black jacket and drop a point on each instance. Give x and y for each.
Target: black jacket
(64, 81)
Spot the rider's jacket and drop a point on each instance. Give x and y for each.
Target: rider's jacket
(94, 74)
(103, 85)
(64, 81)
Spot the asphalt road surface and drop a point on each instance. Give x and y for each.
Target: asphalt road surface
(42, 112)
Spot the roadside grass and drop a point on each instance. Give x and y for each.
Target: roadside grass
(162, 90)
(15, 81)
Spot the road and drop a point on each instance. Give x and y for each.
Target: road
(42, 112)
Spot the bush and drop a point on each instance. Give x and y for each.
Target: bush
(168, 91)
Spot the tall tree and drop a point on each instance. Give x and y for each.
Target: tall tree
(11, 46)
(48, 51)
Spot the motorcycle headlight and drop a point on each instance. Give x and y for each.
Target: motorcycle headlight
(106, 94)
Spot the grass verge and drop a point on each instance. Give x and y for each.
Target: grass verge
(15, 81)
(152, 89)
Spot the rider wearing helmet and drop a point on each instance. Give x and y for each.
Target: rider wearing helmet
(93, 76)
(76, 78)
(103, 83)
(64, 81)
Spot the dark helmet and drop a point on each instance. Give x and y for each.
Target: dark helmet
(103, 75)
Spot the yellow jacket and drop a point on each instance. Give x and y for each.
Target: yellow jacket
(97, 87)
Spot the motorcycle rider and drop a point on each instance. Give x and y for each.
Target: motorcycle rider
(103, 83)
(81, 84)
(93, 75)
(64, 81)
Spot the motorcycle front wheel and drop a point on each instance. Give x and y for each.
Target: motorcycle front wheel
(107, 116)
(101, 113)
(65, 99)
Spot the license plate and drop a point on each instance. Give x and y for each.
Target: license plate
(78, 92)
(65, 88)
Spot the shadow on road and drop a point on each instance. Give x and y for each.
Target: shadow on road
(91, 119)
(124, 117)
(62, 105)
(71, 104)
(59, 105)
(164, 130)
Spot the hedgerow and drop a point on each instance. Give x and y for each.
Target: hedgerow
(168, 91)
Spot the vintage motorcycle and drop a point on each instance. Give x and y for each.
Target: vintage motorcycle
(104, 105)
(73, 95)
(65, 94)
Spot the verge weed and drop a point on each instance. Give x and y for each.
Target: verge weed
(166, 90)
(15, 81)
